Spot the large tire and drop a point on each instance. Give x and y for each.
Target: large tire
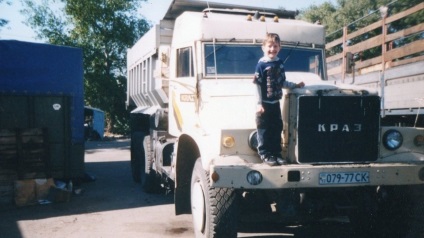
(150, 178)
(141, 161)
(215, 210)
(137, 155)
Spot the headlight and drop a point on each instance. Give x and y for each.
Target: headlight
(228, 141)
(254, 177)
(392, 139)
(253, 141)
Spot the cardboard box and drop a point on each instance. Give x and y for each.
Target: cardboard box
(59, 195)
(30, 191)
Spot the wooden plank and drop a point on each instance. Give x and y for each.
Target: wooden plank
(372, 68)
(354, 34)
(334, 57)
(335, 70)
(366, 29)
(334, 43)
(407, 61)
(405, 32)
(405, 13)
(8, 149)
(7, 137)
(365, 45)
(368, 63)
(409, 49)
(7, 179)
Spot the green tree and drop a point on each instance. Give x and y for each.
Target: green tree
(358, 14)
(104, 30)
(344, 13)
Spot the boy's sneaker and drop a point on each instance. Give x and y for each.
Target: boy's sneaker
(269, 160)
(279, 160)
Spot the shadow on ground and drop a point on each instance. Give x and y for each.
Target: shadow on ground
(112, 189)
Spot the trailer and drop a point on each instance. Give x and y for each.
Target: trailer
(397, 72)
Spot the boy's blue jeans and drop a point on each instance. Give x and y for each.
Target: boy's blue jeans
(269, 126)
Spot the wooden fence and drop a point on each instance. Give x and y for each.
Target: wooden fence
(389, 56)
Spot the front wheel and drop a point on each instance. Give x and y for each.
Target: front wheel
(215, 210)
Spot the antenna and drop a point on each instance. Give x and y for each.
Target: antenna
(420, 102)
(214, 51)
(288, 55)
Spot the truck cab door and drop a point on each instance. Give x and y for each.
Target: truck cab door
(182, 91)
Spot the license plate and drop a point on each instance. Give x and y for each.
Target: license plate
(344, 178)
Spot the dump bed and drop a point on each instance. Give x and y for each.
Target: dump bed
(148, 69)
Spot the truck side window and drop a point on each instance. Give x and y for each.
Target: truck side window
(185, 62)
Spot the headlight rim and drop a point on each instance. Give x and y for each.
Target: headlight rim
(386, 139)
(252, 174)
(253, 140)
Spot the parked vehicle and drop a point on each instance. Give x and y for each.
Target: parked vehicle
(94, 123)
(397, 72)
(193, 131)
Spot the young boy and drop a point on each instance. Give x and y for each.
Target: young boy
(270, 78)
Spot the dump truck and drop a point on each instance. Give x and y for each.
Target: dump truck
(193, 131)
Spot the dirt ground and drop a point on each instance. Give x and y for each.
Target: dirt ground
(111, 206)
(114, 206)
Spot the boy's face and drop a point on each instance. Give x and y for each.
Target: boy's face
(271, 49)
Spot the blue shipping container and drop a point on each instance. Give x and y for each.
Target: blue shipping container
(41, 85)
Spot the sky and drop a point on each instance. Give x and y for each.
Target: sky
(152, 10)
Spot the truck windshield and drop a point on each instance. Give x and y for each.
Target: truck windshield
(234, 59)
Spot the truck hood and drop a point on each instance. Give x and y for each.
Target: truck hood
(231, 103)
(313, 84)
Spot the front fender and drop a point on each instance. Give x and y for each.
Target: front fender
(187, 152)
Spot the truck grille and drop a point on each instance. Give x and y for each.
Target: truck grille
(338, 129)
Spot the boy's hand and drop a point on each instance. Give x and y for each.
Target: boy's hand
(300, 85)
(260, 109)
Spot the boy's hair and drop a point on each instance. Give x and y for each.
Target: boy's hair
(271, 37)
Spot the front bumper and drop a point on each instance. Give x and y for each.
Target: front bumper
(308, 176)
